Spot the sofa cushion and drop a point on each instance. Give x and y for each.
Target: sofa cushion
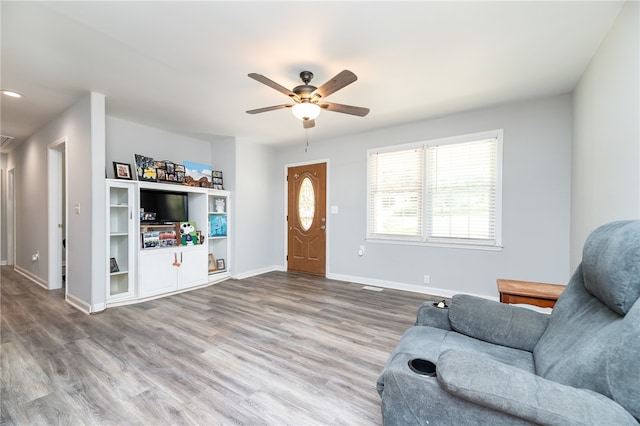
(611, 264)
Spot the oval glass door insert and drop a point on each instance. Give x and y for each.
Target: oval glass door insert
(306, 203)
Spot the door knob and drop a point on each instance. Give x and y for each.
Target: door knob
(323, 227)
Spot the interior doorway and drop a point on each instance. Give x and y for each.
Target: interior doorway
(11, 218)
(57, 215)
(306, 218)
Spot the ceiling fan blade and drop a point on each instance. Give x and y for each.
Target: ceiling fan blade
(307, 124)
(271, 108)
(345, 109)
(341, 80)
(264, 80)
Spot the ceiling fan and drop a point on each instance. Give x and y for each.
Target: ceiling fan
(309, 100)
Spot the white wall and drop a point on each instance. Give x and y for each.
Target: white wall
(606, 146)
(83, 126)
(536, 203)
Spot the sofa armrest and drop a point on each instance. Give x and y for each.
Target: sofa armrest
(508, 389)
(433, 316)
(498, 323)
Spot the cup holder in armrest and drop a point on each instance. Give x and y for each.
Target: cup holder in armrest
(441, 305)
(422, 366)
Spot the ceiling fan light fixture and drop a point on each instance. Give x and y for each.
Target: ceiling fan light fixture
(306, 111)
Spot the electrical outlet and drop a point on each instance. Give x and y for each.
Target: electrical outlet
(427, 279)
(35, 256)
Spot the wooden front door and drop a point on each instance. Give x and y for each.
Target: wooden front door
(306, 219)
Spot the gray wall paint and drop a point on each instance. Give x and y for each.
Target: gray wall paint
(606, 147)
(85, 232)
(536, 183)
(125, 138)
(258, 229)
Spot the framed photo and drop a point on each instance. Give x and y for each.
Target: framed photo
(122, 170)
(212, 263)
(216, 179)
(197, 174)
(145, 168)
(220, 264)
(113, 265)
(217, 225)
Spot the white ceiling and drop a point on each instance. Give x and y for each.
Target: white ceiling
(182, 66)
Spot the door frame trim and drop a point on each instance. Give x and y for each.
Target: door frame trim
(327, 211)
(57, 177)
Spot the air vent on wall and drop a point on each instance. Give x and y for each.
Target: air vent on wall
(6, 141)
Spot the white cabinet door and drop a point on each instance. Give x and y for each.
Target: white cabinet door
(120, 243)
(157, 272)
(193, 269)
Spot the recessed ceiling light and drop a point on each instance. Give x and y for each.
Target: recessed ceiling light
(10, 93)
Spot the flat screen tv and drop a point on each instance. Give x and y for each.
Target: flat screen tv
(168, 206)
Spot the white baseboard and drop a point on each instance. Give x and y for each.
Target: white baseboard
(80, 304)
(260, 271)
(3, 263)
(31, 277)
(434, 291)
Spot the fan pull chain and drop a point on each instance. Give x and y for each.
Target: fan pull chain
(306, 134)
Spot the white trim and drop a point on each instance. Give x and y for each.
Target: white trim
(57, 184)
(433, 291)
(11, 216)
(31, 277)
(494, 245)
(327, 214)
(80, 304)
(260, 271)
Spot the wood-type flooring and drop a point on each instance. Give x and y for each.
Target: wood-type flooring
(275, 349)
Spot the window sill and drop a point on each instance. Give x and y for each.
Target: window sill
(462, 246)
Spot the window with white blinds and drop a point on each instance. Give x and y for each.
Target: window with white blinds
(396, 181)
(441, 192)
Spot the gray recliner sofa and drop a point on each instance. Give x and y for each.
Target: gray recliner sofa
(505, 364)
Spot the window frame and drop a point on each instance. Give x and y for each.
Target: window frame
(494, 244)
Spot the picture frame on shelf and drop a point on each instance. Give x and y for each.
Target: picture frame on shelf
(220, 264)
(145, 168)
(216, 179)
(197, 174)
(113, 265)
(213, 266)
(122, 170)
(217, 225)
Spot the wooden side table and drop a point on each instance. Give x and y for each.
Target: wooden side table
(531, 293)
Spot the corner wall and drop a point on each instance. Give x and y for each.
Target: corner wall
(606, 146)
